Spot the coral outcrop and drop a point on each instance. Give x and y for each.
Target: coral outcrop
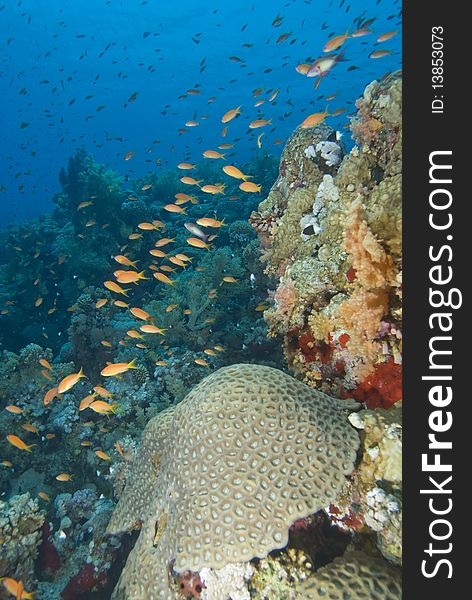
(372, 499)
(331, 233)
(249, 451)
(20, 537)
(356, 576)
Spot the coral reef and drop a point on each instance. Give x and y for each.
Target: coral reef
(356, 576)
(228, 582)
(247, 482)
(331, 234)
(258, 429)
(20, 537)
(372, 499)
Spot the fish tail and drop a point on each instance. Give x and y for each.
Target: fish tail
(125, 292)
(81, 372)
(28, 448)
(132, 364)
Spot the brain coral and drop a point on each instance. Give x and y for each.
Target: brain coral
(356, 576)
(248, 451)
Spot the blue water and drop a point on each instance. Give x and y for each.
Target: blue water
(55, 54)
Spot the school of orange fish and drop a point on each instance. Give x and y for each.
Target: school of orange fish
(99, 400)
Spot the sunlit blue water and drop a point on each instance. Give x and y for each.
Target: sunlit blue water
(68, 69)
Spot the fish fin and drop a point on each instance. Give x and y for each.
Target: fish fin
(132, 364)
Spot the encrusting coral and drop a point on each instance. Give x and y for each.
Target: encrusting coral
(249, 451)
(331, 233)
(356, 576)
(373, 496)
(20, 536)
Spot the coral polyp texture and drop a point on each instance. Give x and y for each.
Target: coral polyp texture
(331, 235)
(356, 576)
(20, 536)
(249, 451)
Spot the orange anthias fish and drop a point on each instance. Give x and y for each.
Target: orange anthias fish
(102, 408)
(146, 226)
(87, 401)
(182, 198)
(379, 53)
(132, 333)
(335, 43)
(249, 186)
(102, 455)
(229, 116)
(213, 154)
(197, 243)
(190, 181)
(19, 443)
(386, 36)
(139, 313)
(117, 368)
(201, 362)
(259, 123)
(16, 410)
(101, 391)
(119, 447)
(174, 208)
(50, 395)
(64, 477)
(68, 382)
(130, 276)
(164, 242)
(217, 188)
(114, 287)
(314, 119)
(208, 222)
(46, 364)
(123, 260)
(162, 277)
(303, 68)
(16, 588)
(152, 329)
(235, 172)
(30, 428)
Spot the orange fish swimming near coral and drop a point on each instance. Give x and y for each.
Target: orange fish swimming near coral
(68, 382)
(19, 443)
(114, 287)
(115, 369)
(16, 588)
